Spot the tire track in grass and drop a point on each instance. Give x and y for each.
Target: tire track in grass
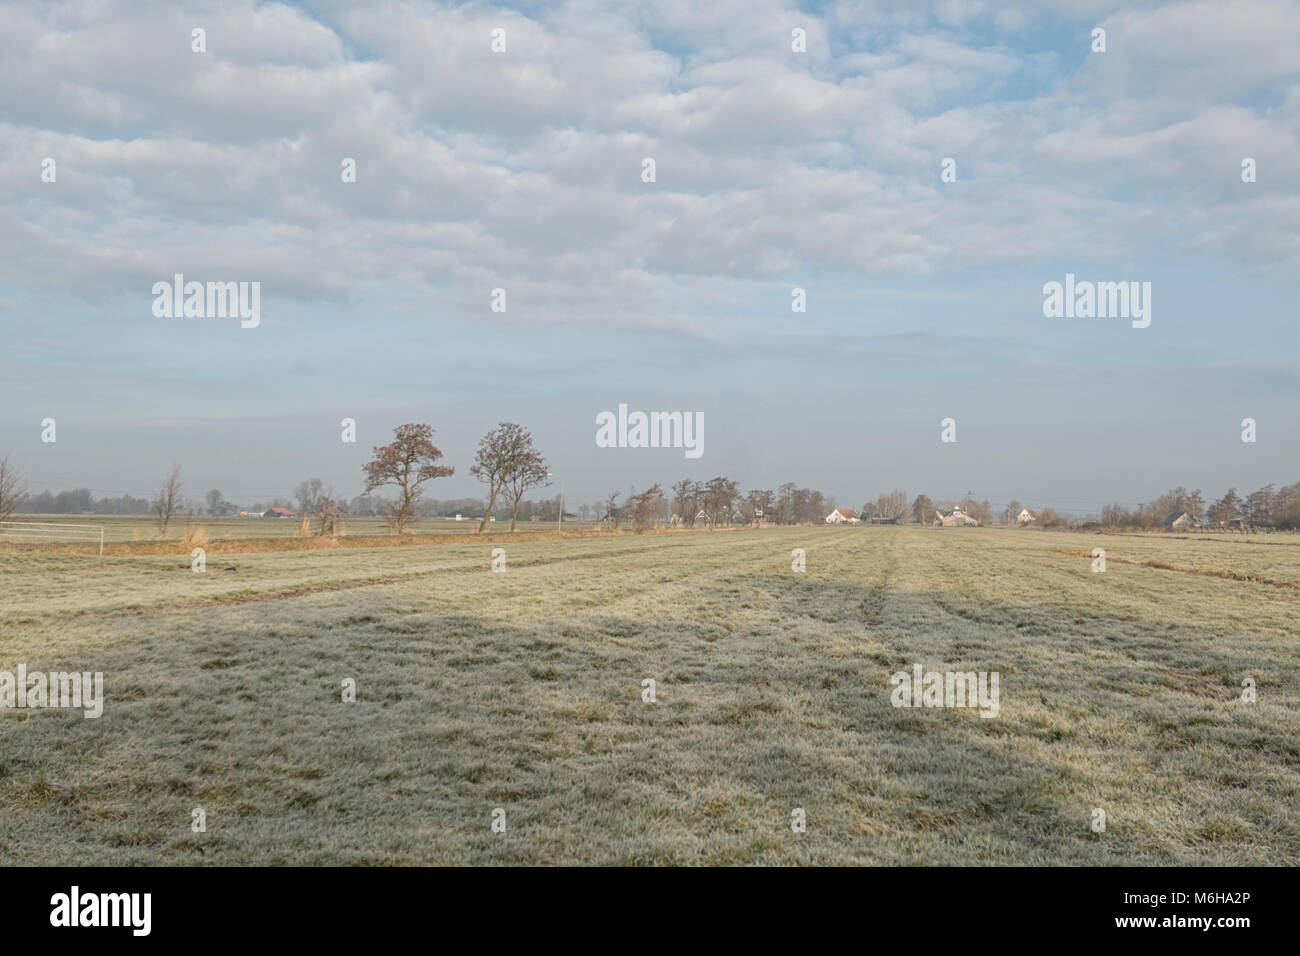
(1189, 569)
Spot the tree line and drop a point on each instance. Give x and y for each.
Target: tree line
(509, 464)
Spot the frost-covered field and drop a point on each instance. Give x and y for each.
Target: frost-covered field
(1119, 691)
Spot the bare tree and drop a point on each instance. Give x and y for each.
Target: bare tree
(528, 471)
(500, 452)
(923, 510)
(407, 462)
(309, 494)
(611, 509)
(12, 489)
(329, 510)
(168, 499)
(644, 506)
(720, 493)
(216, 503)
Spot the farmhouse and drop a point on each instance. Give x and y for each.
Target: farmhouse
(1181, 519)
(1027, 516)
(843, 516)
(279, 513)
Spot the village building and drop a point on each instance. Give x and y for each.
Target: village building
(843, 516)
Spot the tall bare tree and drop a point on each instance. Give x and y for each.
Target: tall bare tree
(528, 471)
(407, 462)
(720, 493)
(329, 510)
(644, 506)
(923, 510)
(13, 491)
(309, 494)
(500, 452)
(216, 503)
(168, 499)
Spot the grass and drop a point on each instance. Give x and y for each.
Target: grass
(135, 535)
(522, 690)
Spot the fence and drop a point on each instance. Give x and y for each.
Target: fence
(40, 532)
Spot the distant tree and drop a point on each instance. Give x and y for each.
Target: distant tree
(644, 506)
(1011, 512)
(217, 505)
(407, 462)
(329, 508)
(611, 508)
(1287, 507)
(500, 452)
(1050, 519)
(923, 510)
(1260, 506)
(720, 495)
(785, 503)
(1226, 508)
(308, 493)
(167, 500)
(1117, 516)
(12, 489)
(528, 470)
(893, 505)
(760, 503)
(685, 493)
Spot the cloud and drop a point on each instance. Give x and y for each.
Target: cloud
(522, 169)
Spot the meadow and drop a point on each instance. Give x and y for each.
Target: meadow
(523, 690)
(126, 534)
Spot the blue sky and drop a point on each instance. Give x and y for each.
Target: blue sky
(522, 170)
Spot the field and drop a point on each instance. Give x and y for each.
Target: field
(127, 534)
(1119, 691)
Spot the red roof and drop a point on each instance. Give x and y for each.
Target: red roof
(847, 512)
(281, 511)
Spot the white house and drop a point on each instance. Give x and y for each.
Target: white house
(1027, 516)
(843, 516)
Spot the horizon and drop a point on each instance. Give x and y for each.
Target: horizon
(925, 284)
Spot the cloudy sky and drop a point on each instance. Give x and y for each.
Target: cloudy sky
(774, 169)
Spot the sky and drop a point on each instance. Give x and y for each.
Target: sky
(774, 169)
